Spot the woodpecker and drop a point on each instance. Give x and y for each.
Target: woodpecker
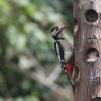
(62, 47)
(64, 51)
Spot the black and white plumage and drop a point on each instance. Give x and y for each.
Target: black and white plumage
(63, 49)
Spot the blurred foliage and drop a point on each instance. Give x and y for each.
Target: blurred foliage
(25, 43)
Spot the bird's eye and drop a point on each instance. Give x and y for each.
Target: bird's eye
(54, 29)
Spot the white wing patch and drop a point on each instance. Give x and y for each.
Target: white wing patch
(57, 50)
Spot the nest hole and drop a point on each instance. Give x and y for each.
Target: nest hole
(91, 15)
(92, 55)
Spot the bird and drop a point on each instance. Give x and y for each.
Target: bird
(64, 52)
(62, 47)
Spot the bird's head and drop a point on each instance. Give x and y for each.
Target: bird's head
(56, 32)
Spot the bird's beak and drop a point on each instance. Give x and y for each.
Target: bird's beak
(62, 28)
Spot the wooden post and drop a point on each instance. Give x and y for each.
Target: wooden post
(87, 14)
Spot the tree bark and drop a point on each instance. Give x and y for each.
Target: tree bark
(87, 14)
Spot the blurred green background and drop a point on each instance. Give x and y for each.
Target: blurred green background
(29, 68)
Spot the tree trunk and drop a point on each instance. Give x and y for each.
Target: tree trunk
(87, 14)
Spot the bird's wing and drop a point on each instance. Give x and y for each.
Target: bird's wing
(68, 50)
(59, 50)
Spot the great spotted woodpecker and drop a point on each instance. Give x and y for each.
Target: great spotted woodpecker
(64, 51)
